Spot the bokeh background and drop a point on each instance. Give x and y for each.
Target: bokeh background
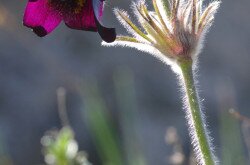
(138, 95)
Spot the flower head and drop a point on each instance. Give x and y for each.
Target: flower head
(43, 16)
(174, 30)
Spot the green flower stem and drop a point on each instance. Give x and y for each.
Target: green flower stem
(197, 129)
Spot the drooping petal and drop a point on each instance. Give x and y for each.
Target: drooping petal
(88, 19)
(40, 17)
(107, 34)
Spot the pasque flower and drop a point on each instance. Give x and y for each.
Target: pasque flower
(43, 16)
(174, 30)
(174, 33)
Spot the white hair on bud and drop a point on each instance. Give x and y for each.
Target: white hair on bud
(147, 49)
(164, 14)
(215, 5)
(211, 9)
(151, 32)
(126, 25)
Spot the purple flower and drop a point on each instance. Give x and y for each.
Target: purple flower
(43, 16)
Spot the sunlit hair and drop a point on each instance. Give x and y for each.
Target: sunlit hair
(175, 29)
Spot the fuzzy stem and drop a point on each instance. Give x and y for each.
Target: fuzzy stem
(199, 136)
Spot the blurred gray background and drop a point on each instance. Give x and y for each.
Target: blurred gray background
(32, 68)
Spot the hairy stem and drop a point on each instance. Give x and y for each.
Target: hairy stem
(197, 129)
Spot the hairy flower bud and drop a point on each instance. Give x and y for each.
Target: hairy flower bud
(173, 31)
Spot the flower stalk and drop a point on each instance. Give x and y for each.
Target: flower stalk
(200, 139)
(174, 33)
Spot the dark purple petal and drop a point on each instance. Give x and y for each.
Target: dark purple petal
(40, 17)
(82, 20)
(107, 34)
(88, 19)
